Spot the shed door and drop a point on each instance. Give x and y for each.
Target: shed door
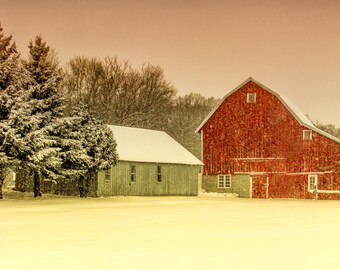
(259, 186)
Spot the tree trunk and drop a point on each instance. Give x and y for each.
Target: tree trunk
(36, 183)
(87, 184)
(81, 186)
(89, 178)
(2, 180)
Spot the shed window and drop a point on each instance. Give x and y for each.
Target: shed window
(133, 173)
(307, 134)
(224, 181)
(251, 97)
(107, 176)
(312, 182)
(159, 174)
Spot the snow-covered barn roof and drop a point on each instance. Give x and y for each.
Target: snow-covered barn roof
(145, 145)
(290, 106)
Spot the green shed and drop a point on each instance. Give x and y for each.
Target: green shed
(151, 163)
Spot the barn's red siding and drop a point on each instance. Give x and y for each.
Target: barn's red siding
(265, 137)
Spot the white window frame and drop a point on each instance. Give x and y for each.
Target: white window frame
(107, 176)
(159, 174)
(307, 135)
(312, 178)
(224, 181)
(251, 97)
(133, 173)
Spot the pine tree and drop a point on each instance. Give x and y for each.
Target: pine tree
(9, 58)
(34, 116)
(87, 146)
(13, 78)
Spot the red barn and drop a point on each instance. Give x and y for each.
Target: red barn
(258, 144)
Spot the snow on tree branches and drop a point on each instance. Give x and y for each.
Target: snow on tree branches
(12, 79)
(33, 116)
(45, 143)
(86, 146)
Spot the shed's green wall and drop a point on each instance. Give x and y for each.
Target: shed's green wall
(177, 179)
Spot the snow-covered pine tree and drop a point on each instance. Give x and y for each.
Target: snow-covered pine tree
(13, 79)
(72, 154)
(35, 115)
(9, 58)
(101, 148)
(87, 146)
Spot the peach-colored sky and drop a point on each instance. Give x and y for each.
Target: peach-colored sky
(207, 47)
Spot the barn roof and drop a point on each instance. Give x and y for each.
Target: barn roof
(290, 106)
(145, 145)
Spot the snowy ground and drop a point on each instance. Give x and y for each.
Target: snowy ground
(169, 233)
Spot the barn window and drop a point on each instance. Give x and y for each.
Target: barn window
(312, 182)
(133, 173)
(307, 134)
(251, 97)
(159, 174)
(107, 176)
(224, 181)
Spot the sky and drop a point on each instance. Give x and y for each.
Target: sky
(205, 47)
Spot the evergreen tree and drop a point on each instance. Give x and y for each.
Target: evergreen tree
(34, 116)
(13, 78)
(87, 146)
(9, 58)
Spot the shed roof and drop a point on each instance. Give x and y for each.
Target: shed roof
(145, 145)
(290, 106)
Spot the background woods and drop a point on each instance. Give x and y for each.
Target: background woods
(122, 95)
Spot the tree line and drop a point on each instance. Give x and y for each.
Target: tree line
(329, 128)
(142, 97)
(53, 120)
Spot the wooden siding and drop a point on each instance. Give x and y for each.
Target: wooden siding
(261, 137)
(176, 180)
(264, 136)
(240, 185)
(291, 186)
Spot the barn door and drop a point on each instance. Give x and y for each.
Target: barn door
(259, 186)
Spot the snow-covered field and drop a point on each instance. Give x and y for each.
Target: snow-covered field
(169, 233)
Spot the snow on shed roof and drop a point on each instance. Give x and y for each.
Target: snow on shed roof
(291, 107)
(145, 145)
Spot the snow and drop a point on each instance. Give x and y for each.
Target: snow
(297, 112)
(169, 233)
(303, 119)
(145, 145)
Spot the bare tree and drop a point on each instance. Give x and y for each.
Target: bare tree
(118, 93)
(329, 128)
(122, 95)
(186, 115)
